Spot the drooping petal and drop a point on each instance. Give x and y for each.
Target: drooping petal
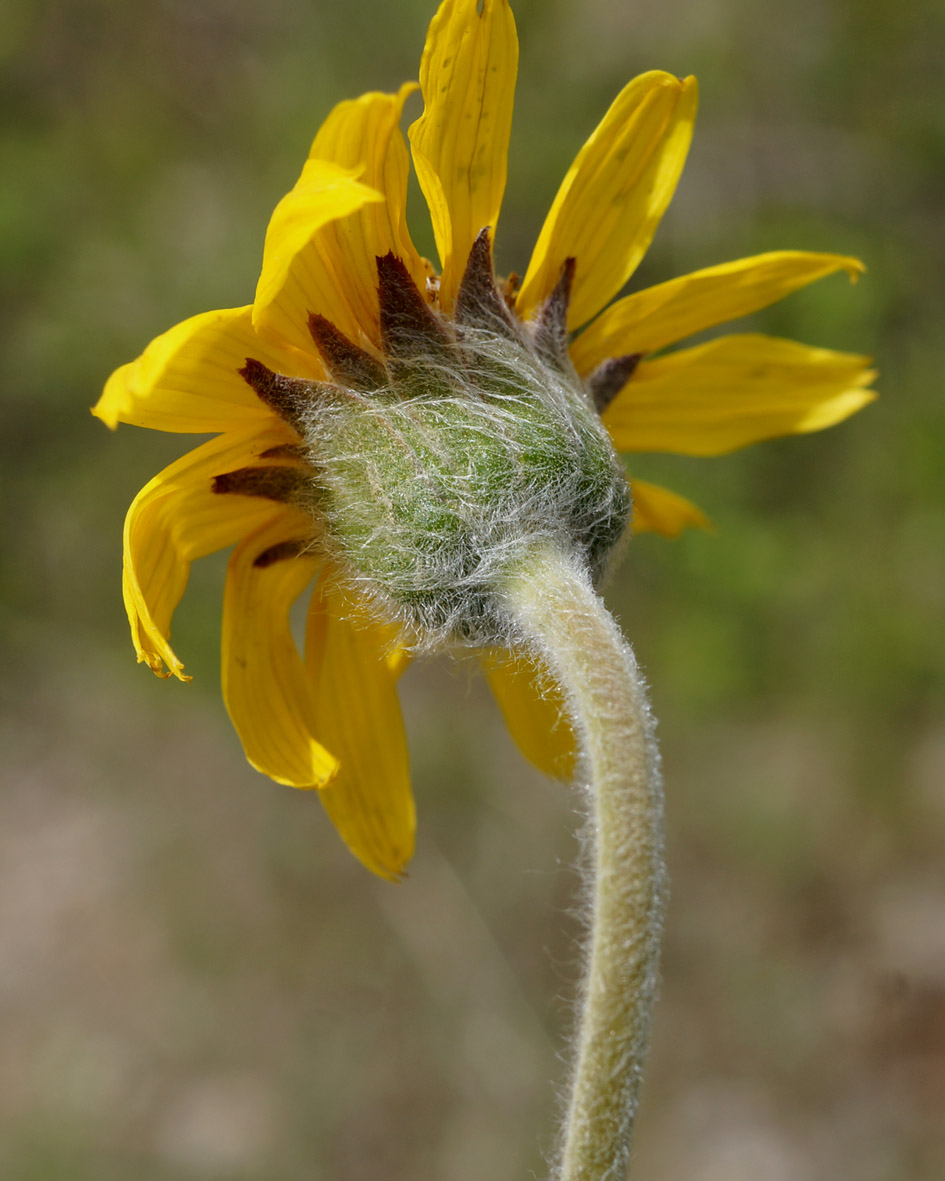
(648, 320)
(658, 510)
(188, 378)
(176, 518)
(303, 268)
(534, 711)
(268, 693)
(359, 719)
(733, 391)
(460, 142)
(614, 194)
(363, 135)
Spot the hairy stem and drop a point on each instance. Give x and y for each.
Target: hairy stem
(560, 616)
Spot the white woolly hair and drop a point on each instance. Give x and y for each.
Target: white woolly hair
(433, 486)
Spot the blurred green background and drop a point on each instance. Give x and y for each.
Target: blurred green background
(196, 980)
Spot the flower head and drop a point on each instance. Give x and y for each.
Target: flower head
(390, 435)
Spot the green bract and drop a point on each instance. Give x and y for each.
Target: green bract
(428, 495)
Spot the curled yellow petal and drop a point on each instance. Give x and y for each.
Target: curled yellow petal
(188, 378)
(650, 319)
(534, 711)
(303, 269)
(363, 135)
(266, 687)
(177, 517)
(614, 194)
(733, 391)
(460, 142)
(658, 510)
(359, 719)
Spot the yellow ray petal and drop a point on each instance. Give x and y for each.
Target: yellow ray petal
(303, 268)
(266, 687)
(187, 379)
(733, 391)
(534, 711)
(614, 195)
(662, 315)
(397, 660)
(460, 142)
(359, 719)
(176, 518)
(363, 135)
(658, 510)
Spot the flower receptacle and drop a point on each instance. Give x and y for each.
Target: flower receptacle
(480, 448)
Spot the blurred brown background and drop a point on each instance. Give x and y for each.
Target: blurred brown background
(197, 982)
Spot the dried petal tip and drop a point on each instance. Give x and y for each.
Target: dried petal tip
(279, 553)
(409, 327)
(349, 365)
(478, 302)
(550, 326)
(285, 451)
(608, 379)
(285, 484)
(289, 397)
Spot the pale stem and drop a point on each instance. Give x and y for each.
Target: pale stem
(562, 619)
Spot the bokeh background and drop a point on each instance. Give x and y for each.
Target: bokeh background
(197, 982)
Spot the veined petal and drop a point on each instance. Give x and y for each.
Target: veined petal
(359, 718)
(266, 687)
(614, 194)
(461, 141)
(363, 135)
(662, 315)
(187, 379)
(176, 518)
(534, 711)
(658, 510)
(733, 391)
(303, 268)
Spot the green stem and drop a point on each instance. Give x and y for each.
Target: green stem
(562, 619)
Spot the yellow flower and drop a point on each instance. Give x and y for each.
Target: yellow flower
(330, 718)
